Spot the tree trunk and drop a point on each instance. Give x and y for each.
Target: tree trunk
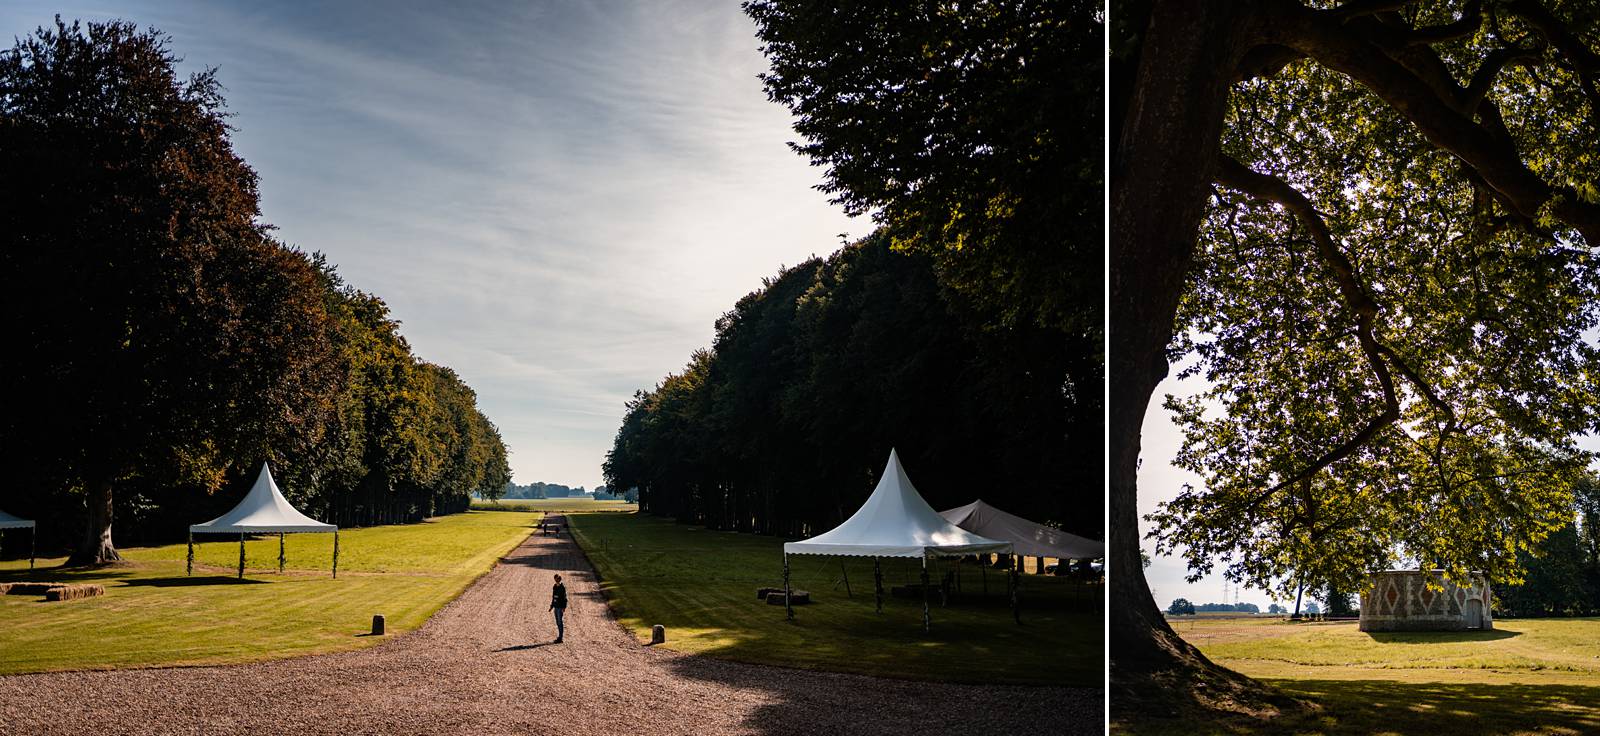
(1163, 165)
(96, 547)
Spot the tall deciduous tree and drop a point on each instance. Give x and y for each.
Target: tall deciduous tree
(151, 328)
(1375, 238)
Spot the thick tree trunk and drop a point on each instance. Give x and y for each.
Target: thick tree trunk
(96, 547)
(1166, 151)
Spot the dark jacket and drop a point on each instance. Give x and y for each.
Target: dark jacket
(558, 596)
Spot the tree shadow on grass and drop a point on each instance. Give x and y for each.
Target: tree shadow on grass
(187, 582)
(1403, 709)
(1440, 637)
(65, 575)
(1426, 709)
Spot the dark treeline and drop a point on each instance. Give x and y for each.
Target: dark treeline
(161, 344)
(784, 424)
(1563, 576)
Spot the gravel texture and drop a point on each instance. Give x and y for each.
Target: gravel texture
(483, 665)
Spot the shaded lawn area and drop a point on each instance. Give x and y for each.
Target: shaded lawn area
(1528, 676)
(701, 586)
(152, 614)
(554, 504)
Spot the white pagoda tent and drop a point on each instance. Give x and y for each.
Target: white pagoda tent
(1026, 537)
(895, 521)
(7, 521)
(264, 510)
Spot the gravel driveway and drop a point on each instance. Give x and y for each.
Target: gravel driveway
(480, 666)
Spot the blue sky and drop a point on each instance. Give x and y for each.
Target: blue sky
(557, 199)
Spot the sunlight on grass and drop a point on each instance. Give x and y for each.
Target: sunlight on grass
(154, 614)
(1528, 676)
(701, 586)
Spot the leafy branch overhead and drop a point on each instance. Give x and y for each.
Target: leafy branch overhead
(1395, 276)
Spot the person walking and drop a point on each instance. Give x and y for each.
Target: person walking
(558, 604)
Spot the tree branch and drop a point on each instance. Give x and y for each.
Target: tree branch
(1235, 175)
(1584, 60)
(1466, 25)
(1432, 111)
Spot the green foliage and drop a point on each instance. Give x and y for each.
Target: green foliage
(1563, 573)
(162, 345)
(1398, 371)
(783, 427)
(1181, 607)
(970, 131)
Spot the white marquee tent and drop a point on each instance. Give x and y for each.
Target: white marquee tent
(1027, 538)
(894, 522)
(7, 521)
(264, 510)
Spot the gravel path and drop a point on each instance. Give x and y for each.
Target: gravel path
(481, 666)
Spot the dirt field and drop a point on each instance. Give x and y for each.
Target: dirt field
(483, 665)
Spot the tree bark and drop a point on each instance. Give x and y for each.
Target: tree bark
(1161, 170)
(96, 547)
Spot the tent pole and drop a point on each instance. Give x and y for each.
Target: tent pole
(877, 581)
(788, 608)
(280, 553)
(33, 545)
(188, 568)
(846, 575)
(241, 555)
(927, 622)
(1016, 583)
(983, 572)
(336, 553)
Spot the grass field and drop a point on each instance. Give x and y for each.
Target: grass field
(701, 586)
(153, 614)
(555, 504)
(1527, 676)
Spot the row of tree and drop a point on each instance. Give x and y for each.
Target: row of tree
(1563, 575)
(783, 426)
(161, 344)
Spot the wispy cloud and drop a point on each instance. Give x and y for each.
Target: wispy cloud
(557, 199)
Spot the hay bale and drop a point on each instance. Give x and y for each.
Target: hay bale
(74, 591)
(796, 598)
(762, 593)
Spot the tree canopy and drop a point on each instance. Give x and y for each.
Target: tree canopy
(784, 425)
(162, 343)
(1378, 252)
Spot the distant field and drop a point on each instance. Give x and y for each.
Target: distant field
(701, 586)
(1527, 676)
(153, 614)
(554, 504)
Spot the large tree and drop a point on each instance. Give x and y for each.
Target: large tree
(152, 330)
(1370, 224)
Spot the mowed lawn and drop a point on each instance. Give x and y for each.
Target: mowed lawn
(153, 614)
(1527, 676)
(701, 586)
(551, 505)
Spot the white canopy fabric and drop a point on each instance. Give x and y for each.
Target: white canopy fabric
(7, 521)
(263, 510)
(896, 522)
(1027, 538)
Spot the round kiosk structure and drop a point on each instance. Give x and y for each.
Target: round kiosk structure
(1404, 600)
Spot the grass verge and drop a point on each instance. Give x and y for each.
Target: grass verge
(1527, 676)
(701, 586)
(154, 615)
